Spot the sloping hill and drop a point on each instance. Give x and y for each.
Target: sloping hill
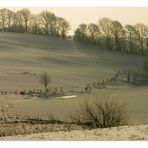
(68, 62)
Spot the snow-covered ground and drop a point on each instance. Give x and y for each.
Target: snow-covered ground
(137, 132)
(67, 97)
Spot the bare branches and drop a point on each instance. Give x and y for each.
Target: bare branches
(44, 23)
(102, 112)
(45, 80)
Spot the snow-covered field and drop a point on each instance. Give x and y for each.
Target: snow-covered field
(71, 65)
(123, 133)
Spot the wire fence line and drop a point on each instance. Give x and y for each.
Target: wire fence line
(55, 91)
(50, 91)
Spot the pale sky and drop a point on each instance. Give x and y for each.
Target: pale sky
(78, 15)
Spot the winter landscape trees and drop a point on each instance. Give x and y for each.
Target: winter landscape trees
(107, 33)
(44, 23)
(113, 35)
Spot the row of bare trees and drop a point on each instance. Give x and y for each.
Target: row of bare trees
(113, 35)
(107, 33)
(45, 23)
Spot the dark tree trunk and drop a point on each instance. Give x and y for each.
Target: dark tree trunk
(147, 44)
(26, 27)
(108, 42)
(9, 25)
(3, 25)
(142, 49)
(116, 43)
(131, 49)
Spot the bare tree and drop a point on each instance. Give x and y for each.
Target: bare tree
(81, 32)
(118, 33)
(44, 20)
(18, 20)
(141, 32)
(64, 27)
(3, 18)
(93, 32)
(56, 28)
(34, 25)
(10, 18)
(45, 80)
(105, 30)
(26, 16)
(130, 31)
(52, 20)
(47, 20)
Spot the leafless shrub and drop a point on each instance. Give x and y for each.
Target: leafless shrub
(101, 113)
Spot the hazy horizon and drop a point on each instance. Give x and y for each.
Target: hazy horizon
(78, 15)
